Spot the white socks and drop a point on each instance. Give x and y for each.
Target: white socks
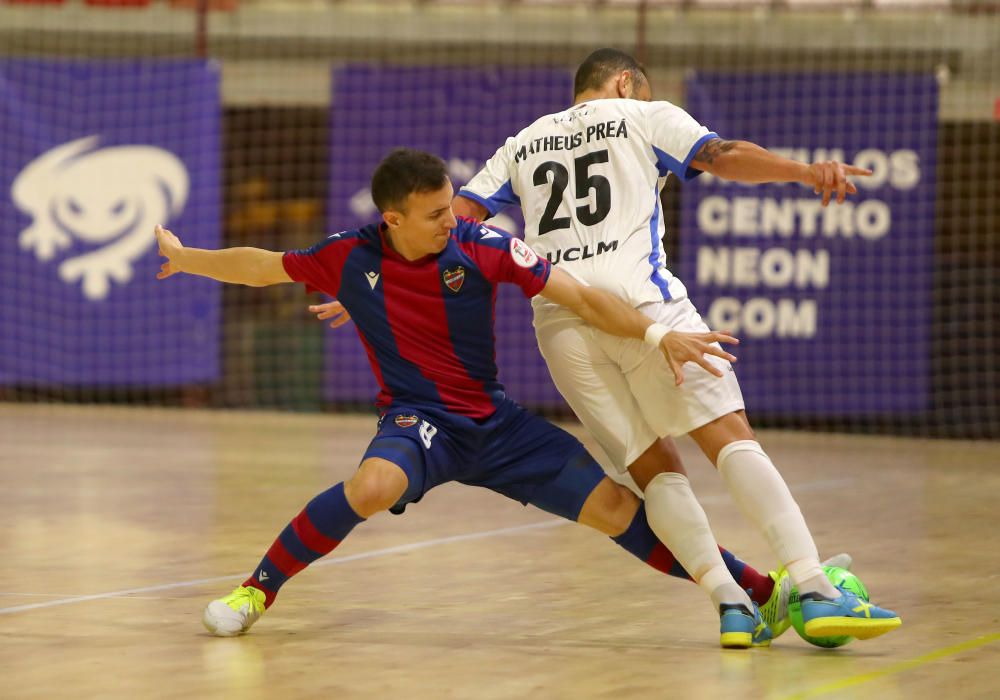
(765, 500)
(677, 518)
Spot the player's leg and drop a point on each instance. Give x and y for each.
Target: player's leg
(762, 495)
(589, 369)
(554, 472)
(616, 511)
(662, 457)
(764, 498)
(393, 469)
(315, 532)
(710, 409)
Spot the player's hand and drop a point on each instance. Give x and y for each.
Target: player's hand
(829, 176)
(680, 347)
(331, 309)
(170, 248)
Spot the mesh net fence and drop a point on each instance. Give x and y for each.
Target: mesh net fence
(259, 123)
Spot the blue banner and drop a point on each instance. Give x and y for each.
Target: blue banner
(462, 115)
(833, 305)
(94, 154)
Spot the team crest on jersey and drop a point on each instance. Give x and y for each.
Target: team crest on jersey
(454, 279)
(522, 253)
(406, 421)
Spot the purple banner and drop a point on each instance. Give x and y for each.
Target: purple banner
(93, 154)
(462, 115)
(833, 306)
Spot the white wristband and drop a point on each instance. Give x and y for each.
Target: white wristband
(655, 333)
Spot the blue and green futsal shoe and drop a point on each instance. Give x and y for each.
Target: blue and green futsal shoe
(845, 615)
(742, 629)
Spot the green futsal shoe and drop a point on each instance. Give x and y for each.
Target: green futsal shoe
(775, 610)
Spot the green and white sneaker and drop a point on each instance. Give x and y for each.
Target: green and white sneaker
(775, 610)
(234, 614)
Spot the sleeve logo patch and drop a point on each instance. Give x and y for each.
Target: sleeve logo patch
(522, 253)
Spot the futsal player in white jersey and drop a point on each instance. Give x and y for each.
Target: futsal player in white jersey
(588, 180)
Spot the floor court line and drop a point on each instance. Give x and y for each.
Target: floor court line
(398, 549)
(824, 484)
(895, 668)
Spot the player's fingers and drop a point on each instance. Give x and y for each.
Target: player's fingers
(338, 322)
(841, 186)
(325, 314)
(719, 352)
(855, 170)
(712, 369)
(828, 185)
(676, 368)
(722, 337)
(851, 189)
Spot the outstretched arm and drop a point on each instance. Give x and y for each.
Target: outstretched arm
(743, 161)
(609, 313)
(250, 266)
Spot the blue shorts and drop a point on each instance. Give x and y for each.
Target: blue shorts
(513, 452)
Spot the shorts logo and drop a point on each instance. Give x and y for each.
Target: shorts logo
(406, 421)
(523, 255)
(427, 433)
(454, 279)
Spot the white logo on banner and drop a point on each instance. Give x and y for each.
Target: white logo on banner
(108, 197)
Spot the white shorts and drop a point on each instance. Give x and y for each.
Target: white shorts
(622, 389)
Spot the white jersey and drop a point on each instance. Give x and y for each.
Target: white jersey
(588, 180)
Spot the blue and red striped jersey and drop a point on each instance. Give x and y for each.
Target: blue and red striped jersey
(427, 325)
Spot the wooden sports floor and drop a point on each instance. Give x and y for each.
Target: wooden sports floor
(118, 525)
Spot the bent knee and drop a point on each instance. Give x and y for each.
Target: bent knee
(661, 457)
(610, 508)
(376, 486)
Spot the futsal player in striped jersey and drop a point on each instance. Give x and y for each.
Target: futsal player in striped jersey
(421, 287)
